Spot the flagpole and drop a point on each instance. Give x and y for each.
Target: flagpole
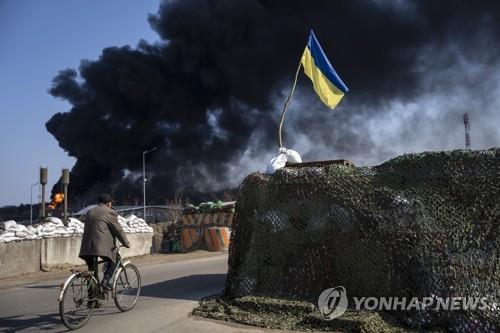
(285, 108)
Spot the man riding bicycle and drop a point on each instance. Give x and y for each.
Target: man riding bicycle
(101, 229)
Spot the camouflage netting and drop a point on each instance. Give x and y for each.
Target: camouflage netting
(416, 226)
(299, 315)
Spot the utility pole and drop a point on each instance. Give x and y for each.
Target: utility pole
(144, 180)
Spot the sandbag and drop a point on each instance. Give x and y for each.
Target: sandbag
(8, 225)
(11, 239)
(292, 156)
(276, 163)
(279, 162)
(21, 234)
(55, 220)
(48, 230)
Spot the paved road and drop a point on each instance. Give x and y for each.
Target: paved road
(170, 291)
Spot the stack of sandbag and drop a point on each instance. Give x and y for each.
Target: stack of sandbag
(76, 226)
(8, 231)
(11, 231)
(26, 232)
(134, 224)
(53, 227)
(124, 224)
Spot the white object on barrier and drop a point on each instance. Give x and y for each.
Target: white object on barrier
(279, 162)
(292, 156)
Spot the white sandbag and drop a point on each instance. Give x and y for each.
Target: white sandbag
(75, 223)
(277, 162)
(49, 225)
(21, 234)
(292, 156)
(8, 225)
(81, 226)
(55, 220)
(134, 224)
(48, 230)
(11, 239)
(8, 234)
(21, 228)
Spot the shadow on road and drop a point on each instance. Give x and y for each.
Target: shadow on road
(40, 322)
(51, 321)
(192, 287)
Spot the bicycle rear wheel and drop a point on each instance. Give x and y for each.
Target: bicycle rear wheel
(78, 300)
(127, 286)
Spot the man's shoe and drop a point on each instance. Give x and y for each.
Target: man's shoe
(106, 286)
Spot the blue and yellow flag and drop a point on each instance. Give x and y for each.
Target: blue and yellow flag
(325, 79)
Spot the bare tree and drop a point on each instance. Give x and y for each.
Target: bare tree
(174, 207)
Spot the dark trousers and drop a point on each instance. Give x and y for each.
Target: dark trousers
(108, 264)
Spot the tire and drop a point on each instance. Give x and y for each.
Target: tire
(76, 305)
(127, 287)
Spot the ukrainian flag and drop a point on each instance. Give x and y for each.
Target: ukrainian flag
(325, 79)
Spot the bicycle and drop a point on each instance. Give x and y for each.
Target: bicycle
(82, 293)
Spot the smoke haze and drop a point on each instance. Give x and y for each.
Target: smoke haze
(210, 92)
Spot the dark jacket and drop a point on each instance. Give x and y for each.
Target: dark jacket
(101, 227)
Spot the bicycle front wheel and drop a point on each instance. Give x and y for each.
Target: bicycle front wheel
(127, 286)
(78, 300)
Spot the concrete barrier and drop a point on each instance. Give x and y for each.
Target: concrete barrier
(141, 244)
(60, 251)
(18, 258)
(29, 256)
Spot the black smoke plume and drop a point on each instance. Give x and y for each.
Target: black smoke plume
(210, 92)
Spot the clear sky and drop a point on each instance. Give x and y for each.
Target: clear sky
(37, 39)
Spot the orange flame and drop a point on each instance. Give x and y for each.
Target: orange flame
(56, 200)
